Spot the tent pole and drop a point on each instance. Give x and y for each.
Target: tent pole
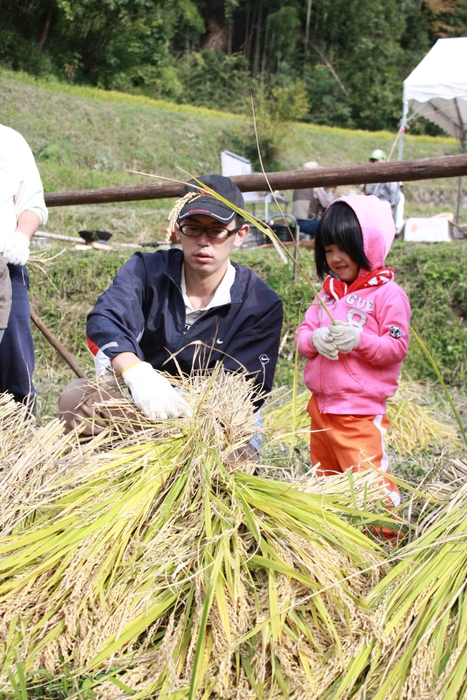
(459, 184)
(458, 205)
(402, 128)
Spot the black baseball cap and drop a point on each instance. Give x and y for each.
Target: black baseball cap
(208, 205)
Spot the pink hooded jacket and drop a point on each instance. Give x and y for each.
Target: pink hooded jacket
(359, 382)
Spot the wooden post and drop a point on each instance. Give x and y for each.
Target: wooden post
(69, 359)
(405, 171)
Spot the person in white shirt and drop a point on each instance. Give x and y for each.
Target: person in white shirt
(386, 191)
(309, 204)
(22, 212)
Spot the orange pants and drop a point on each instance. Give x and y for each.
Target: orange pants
(342, 442)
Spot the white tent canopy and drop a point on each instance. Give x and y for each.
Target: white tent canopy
(437, 88)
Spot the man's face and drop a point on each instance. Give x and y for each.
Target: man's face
(206, 256)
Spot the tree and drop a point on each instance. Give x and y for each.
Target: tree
(352, 55)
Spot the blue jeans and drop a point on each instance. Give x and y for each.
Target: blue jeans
(17, 347)
(308, 226)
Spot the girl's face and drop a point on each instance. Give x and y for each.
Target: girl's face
(340, 264)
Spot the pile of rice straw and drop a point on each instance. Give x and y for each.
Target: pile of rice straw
(147, 563)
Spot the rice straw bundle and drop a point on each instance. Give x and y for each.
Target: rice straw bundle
(421, 604)
(30, 462)
(413, 427)
(156, 566)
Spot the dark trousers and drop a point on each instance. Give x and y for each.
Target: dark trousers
(17, 347)
(308, 226)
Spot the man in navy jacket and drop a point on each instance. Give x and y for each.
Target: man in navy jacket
(187, 309)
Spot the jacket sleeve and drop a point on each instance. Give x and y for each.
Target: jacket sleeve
(258, 348)
(392, 343)
(304, 333)
(301, 202)
(30, 195)
(117, 321)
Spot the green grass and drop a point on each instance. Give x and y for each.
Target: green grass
(94, 93)
(86, 138)
(434, 276)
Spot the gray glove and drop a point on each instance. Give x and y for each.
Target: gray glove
(324, 343)
(345, 336)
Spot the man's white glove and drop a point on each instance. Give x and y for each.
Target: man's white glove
(324, 343)
(16, 249)
(345, 336)
(153, 394)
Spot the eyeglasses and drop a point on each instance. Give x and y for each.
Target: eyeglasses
(217, 233)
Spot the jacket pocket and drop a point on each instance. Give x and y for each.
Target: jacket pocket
(356, 373)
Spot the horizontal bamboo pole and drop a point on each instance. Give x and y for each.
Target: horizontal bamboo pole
(404, 170)
(78, 239)
(58, 236)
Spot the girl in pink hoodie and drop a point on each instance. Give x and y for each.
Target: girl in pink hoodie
(354, 363)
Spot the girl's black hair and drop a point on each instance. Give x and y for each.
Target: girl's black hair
(340, 226)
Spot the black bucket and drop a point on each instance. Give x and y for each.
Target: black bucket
(284, 232)
(96, 236)
(255, 238)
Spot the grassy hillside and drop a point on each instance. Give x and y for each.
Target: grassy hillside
(86, 138)
(435, 278)
(97, 551)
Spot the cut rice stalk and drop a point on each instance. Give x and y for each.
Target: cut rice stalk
(158, 558)
(421, 603)
(413, 427)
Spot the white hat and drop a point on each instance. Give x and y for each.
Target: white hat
(378, 154)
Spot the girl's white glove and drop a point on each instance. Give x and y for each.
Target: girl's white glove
(16, 249)
(324, 343)
(153, 394)
(345, 336)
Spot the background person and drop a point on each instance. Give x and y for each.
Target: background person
(386, 191)
(353, 366)
(159, 303)
(22, 212)
(308, 205)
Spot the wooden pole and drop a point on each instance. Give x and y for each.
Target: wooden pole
(79, 240)
(423, 169)
(58, 236)
(71, 362)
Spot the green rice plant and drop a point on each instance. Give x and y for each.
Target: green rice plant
(413, 427)
(441, 380)
(152, 556)
(422, 651)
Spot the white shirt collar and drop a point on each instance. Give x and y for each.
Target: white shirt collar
(221, 295)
